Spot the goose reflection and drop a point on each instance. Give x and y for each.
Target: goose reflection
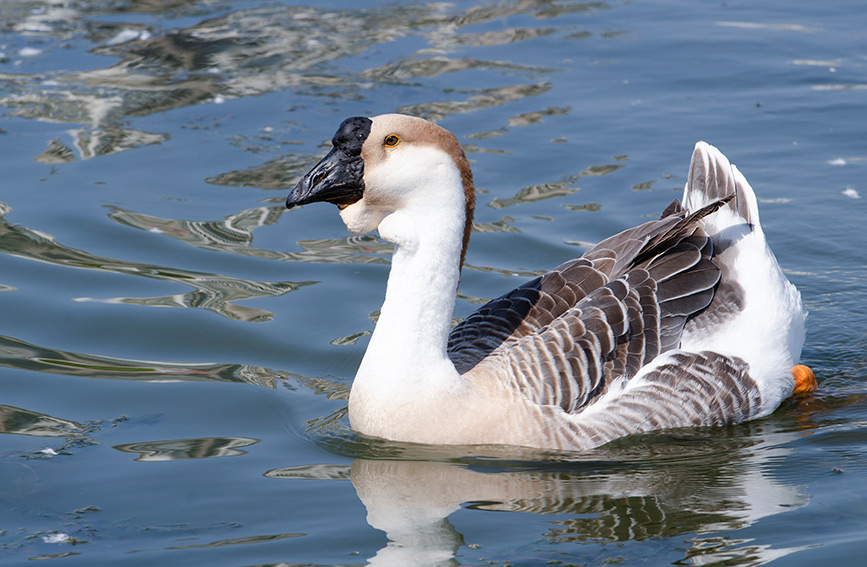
(655, 486)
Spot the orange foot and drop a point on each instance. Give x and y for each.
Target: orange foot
(805, 380)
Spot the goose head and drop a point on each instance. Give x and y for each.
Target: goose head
(389, 164)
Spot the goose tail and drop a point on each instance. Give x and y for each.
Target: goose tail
(757, 314)
(712, 178)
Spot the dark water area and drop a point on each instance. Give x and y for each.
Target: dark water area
(176, 349)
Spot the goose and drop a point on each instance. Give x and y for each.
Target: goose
(683, 321)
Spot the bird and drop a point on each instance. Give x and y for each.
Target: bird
(682, 321)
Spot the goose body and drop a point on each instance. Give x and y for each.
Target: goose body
(682, 321)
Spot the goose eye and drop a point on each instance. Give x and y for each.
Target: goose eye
(391, 141)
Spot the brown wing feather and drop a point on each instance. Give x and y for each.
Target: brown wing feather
(561, 338)
(523, 311)
(688, 390)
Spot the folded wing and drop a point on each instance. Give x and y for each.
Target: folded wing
(562, 338)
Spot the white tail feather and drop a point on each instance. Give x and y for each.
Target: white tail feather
(712, 177)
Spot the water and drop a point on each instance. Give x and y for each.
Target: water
(176, 352)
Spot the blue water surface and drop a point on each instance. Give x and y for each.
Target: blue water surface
(176, 349)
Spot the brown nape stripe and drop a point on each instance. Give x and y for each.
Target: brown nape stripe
(470, 194)
(450, 143)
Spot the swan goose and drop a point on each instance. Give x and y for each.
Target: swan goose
(682, 321)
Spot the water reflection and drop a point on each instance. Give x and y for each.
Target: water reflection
(211, 291)
(279, 173)
(656, 486)
(476, 99)
(404, 71)
(185, 449)
(524, 119)
(89, 143)
(561, 188)
(25, 422)
(234, 235)
(251, 52)
(18, 354)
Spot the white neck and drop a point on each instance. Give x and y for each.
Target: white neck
(415, 319)
(406, 361)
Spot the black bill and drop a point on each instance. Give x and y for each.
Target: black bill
(339, 177)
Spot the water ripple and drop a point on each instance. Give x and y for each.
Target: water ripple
(15, 353)
(251, 52)
(212, 291)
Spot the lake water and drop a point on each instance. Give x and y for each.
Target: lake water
(177, 349)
